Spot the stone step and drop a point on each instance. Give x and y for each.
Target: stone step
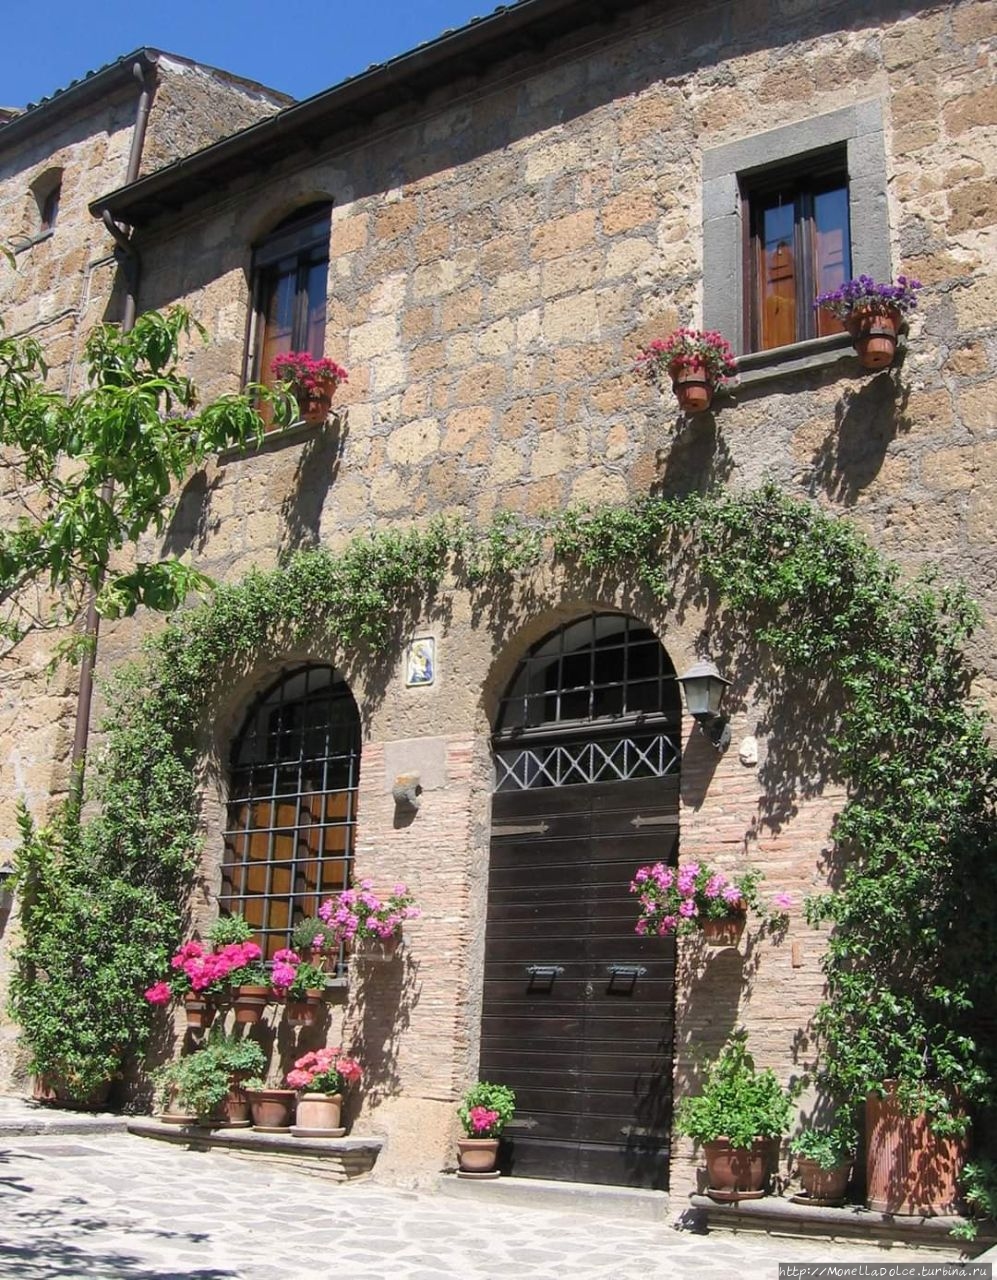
(22, 1118)
(336, 1159)
(578, 1197)
(778, 1216)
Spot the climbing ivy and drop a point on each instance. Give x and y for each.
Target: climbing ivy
(910, 962)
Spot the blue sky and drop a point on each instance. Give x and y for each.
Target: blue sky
(291, 45)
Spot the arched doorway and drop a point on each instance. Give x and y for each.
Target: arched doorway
(578, 1011)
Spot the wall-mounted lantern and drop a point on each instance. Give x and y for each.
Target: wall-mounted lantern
(704, 689)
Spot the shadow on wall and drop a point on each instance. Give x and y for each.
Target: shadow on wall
(697, 460)
(316, 471)
(866, 422)
(382, 999)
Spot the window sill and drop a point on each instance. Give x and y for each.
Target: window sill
(760, 367)
(294, 433)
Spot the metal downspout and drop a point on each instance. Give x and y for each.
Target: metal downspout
(131, 264)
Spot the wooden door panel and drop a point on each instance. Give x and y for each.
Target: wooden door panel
(588, 1053)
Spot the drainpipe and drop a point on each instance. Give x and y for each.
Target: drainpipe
(131, 266)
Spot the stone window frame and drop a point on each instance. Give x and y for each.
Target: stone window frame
(859, 129)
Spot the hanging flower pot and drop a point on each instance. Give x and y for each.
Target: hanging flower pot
(694, 362)
(693, 390)
(200, 1011)
(305, 1013)
(874, 338)
(872, 313)
(249, 1003)
(379, 950)
(725, 932)
(310, 380)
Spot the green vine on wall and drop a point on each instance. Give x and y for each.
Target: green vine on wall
(910, 962)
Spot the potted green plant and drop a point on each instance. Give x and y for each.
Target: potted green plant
(241, 1058)
(360, 916)
(310, 380)
(824, 1158)
(300, 984)
(694, 896)
(314, 938)
(320, 1078)
(196, 1085)
(484, 1112)
(695, 361)
(873, 314)
(738, 1118)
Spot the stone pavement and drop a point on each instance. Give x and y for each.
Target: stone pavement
(112, 1206)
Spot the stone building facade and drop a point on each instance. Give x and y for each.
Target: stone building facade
(513, 211)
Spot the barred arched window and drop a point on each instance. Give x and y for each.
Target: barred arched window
(292, 803)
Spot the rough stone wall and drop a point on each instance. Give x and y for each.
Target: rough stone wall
(63, 284)
(497, 257)
(194, 106)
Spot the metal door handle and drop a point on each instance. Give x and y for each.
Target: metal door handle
(626, 971)
(550, 971)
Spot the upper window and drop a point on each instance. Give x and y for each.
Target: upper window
(789, 214)
(290, 271)
(47, 191)
(292, 804)
(50, 207)
(799, 247)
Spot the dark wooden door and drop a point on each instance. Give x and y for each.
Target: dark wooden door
(578, 1010)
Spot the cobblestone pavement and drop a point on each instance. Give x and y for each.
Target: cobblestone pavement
(114, 1206)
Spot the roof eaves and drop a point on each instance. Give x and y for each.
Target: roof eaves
(524, 24)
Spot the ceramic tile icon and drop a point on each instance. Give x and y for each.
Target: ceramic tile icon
(420, 662)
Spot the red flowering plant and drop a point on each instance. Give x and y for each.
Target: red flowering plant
(677, 899)
(324, 1071)
(306, 376)
(687, 350)
(230, 959)
(486, 1109)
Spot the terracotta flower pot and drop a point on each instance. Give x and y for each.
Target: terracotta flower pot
(56, 1093)
(319, 958)
(909, 1169)
(738, 1173)
(319, 1115)
(249, 1003)
(375, 950)
(234, 1110)
(477, 1155)
(823, 1186)
(315, 406)
(200, 1011)
(723, 933)
(875, 338)
(693, 389)
(272, 1109)
(305, 1013)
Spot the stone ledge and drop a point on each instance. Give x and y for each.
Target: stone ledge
(345, 1157)
(779, 1216)
(580, 1197)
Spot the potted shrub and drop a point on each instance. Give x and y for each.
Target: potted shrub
(359, 915)
(916, 1144)
(694, 896)
(694, 361)
(195, 1086)
(314, 938)
(240, 1059)
(824, 1161)
(311, 381)
(739, 1117)
(320, 1078)
(873, 314)
(483, 1114)
(272, 1109)
(301, 984)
